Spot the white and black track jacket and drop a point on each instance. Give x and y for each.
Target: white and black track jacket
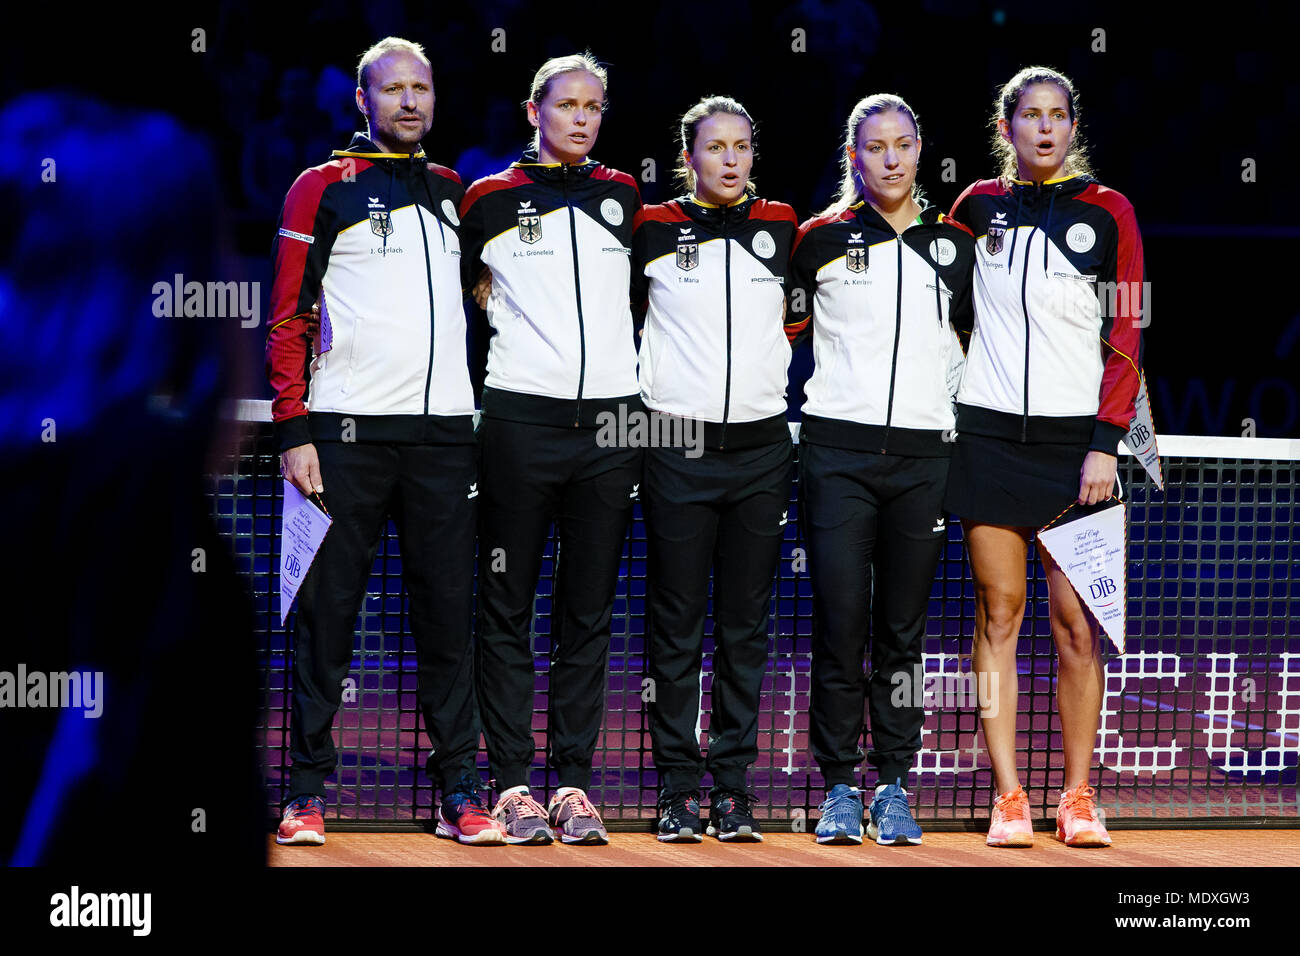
(883, 310)
(557, 238)
(713, 282)
(371, 237)
(1059, 299)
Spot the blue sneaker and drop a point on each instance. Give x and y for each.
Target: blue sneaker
(891, 818)
(841, 820)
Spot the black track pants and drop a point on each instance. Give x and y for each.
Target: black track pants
(861, 512)
(530, 475)
(426, 489)
(725, 511)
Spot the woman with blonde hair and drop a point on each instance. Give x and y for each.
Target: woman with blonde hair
(879, 280)
(553, 232)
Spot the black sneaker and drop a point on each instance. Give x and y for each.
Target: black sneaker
(731, 819)
(679, 820)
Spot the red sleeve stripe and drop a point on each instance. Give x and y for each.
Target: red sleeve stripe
(774, 212)
(1121, 331)
(949, 221)
(816, 221)
(664, 212)
(444, 172)
(286, 340)
(489, 184)
(604, 172)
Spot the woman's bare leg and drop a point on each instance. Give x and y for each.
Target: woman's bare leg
(1078, 672)
(997, 558)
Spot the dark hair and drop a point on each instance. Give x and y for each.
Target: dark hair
(1004, 107)
(690, 126)
(850, 185)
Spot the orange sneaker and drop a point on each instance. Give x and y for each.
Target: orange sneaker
(1010, 825)
(1077, 822)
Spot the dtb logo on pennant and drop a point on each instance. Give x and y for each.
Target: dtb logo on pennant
(1092, 551)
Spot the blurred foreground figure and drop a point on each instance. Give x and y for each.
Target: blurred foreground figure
(108, 419)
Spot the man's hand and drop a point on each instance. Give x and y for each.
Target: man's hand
(1096, 477)
(482, 288)
(301, 465)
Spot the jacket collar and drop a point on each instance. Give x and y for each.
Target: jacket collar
(1064, 186)
(867, 214)
(553, 173)
(714, 217)
(362, 147)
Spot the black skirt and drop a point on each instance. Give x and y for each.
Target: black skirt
(1004, 482)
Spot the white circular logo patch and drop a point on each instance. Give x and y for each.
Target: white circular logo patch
(943, 251)
(1081, 237)
(612, 212)
(764, 245)
(449, 210)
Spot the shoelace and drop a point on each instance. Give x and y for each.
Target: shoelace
(578, 804)
(683, 802)
(895, 804)
(1079, 800)
(834, 805)
(305, 805)
(741, 803)
(1014, 805)
(468, 801)
(524, 806)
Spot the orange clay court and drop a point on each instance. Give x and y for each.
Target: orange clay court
(1133, 848)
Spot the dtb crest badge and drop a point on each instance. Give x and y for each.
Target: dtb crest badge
(855, 260)
(688, 255)
(381, 223)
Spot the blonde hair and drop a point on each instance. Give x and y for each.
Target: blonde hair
(690, 125)
(384, 47)
(573, 63)
(1004, 107)
(850, 191)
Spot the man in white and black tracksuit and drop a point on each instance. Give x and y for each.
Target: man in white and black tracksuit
(371, 239)
(874, 449)
(714, 356)
(556, 237)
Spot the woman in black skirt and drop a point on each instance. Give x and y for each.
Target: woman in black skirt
(717, 476)
(881, 276)
(1047, 394)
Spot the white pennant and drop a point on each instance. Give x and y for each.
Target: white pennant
(304, 527)
(1092, 552)
(1141, 435)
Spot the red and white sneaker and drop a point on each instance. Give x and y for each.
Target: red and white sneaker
(463, 816)
(1077, 820)
(303, 822)
(1010, 826)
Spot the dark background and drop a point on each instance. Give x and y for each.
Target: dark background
(171, 160)
(1171, 109)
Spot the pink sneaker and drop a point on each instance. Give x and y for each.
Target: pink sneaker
(1077, 822)
(1010, 825)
